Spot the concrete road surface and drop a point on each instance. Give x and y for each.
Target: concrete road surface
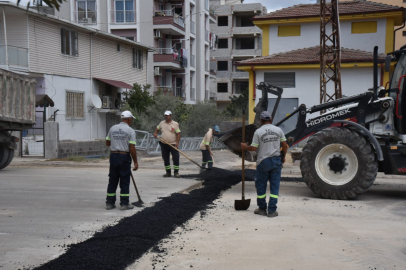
(43, 208)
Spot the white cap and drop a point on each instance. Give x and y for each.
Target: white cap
(168, 113)
(127, 114)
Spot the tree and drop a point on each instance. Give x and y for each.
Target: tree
(139, 98)
(50, 3)
(238, 103)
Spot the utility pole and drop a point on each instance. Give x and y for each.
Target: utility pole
(330, 51)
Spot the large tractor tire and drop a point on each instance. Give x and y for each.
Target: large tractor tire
(6, 156)
(338, 163)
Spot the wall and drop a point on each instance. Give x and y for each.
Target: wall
(73, 148)
(354, 81)
(310, 36)
(51, 131)
(16, 30)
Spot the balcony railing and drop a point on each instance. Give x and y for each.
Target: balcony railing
(85, 17)
(207, 66)
(176, 56)
(206, 36)
(171, 91)
(123, 16)
(16, 56)
(192, 93)
(192, 60)
(192, 27)
(206, 4)
(179, 20)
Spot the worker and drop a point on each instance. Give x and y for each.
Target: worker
(205, 147)
(170, 132)
(121, 140)
(266, 141)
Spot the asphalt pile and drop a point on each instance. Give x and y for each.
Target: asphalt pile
(118, 246)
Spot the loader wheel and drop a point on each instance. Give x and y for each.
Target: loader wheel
(6, 156)
(338, 163)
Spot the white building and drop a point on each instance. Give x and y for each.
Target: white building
(291, 58)
(179, 30)
(71, 62)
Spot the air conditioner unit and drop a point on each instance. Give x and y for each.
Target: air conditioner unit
(87, 20)
(157, 34)
(158, 71)
(106, 102)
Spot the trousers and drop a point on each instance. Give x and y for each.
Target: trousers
(167, 151)
(268, 170)
(120, 172)
(207, 159)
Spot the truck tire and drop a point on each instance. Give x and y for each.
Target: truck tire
(6, 156)
(338, 163)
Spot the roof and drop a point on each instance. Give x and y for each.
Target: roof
(309, 56)
(116, 83)
(73, 24)
(313, 10)
(40, 100)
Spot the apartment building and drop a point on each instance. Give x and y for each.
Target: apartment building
(238, 39)
(178, 30)
(70, 63)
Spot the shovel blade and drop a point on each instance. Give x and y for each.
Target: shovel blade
(242, 204)
(138, 204)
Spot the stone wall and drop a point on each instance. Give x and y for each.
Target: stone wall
(82, 148)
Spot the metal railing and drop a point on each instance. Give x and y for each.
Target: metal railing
(206, 4)
(170, 90)
(123, 16)
(212, 13)
(192, 27)
(179, 20)
(163, 51)
(85, 17)
(16, 56)
(146, 141)
(206, 36)
(192, 93)
(207, 66)
(192, 60)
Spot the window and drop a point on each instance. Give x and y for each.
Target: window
(124, 11)
(86, 12)
(281, 79)
(223, 43)
(404, 32)
(69, 42)
(363, 27)
(222, 87)
(75, 104)
(130, 38)
(244, 21)
(118, 47)
(241, 86)
(288, 30)
(222, 21)
(245, 43)
(222, 65)
(137, 58)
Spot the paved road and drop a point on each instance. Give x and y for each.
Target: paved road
(43, 208)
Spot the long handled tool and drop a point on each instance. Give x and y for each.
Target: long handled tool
(165, 142)
(140, 203)
(242, 204)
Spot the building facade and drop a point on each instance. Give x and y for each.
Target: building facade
(71, 63)
(238, 39)
(178, 30)
(290, 51)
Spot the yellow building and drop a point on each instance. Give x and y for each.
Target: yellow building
(290, 51)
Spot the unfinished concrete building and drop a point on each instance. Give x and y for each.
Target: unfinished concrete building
(238, 39)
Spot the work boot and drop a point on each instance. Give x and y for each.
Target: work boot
(126, 207)
(273, 214)
(167, 175)
(260, 211)
(110, 206)
(176, 175)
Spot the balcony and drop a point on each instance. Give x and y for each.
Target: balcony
(192, 60)
(85, 17)
(169, 17)
(192, 27)
(251, 30)
(239, 75)
(171, 91)
(209, 95)
(192, 93)
(123, 16)
(206, 4)
(207, 66)
(167, 57)
(17, 57)
(207, 36)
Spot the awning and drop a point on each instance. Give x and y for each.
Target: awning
(41, 99)
(115, 83)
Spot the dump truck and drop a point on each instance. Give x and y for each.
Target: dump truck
(17, 111)
(355, 138)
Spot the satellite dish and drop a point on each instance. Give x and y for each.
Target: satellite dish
(97, 103)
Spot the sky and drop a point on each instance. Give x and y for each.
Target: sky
(271, 5)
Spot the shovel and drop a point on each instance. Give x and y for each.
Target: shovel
(242, 204)
(140, 203)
